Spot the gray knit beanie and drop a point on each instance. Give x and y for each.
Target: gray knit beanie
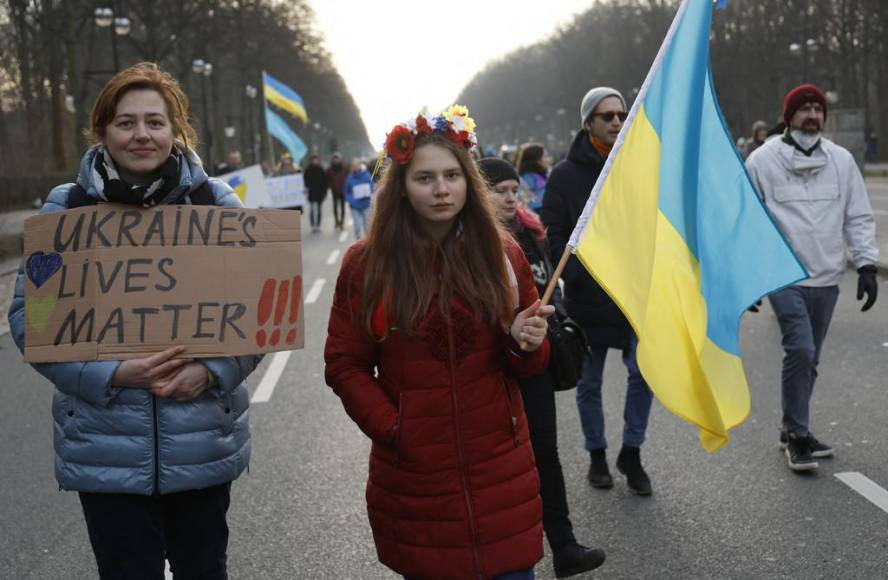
(595, 96)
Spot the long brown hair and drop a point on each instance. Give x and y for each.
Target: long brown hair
(406, 267)
(144, 75)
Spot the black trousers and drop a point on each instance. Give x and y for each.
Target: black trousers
(131, 535)
(339, 210)
(539, 405)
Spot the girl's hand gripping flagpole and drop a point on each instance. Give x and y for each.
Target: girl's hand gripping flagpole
(547, 295)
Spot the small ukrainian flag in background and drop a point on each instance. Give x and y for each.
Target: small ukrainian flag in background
(280, 95)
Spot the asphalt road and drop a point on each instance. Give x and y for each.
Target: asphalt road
(299, 512)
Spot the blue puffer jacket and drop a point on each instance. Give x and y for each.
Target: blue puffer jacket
(127, 440)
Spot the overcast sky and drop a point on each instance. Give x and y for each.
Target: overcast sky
(400, 55)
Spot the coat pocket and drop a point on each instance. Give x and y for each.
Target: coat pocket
(228, 413)
(399, 430)
(510, 408)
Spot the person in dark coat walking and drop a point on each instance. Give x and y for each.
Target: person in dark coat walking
(337, 173)
(569, 557)
(602, 113)
(316, 184)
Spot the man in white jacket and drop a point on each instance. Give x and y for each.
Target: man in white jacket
(816, 195)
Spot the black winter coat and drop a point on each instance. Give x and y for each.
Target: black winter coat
(315, 182)
(569, 185)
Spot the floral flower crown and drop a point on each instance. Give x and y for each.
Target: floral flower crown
(454, 124)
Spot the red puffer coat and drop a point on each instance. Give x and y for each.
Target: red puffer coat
(452, 491)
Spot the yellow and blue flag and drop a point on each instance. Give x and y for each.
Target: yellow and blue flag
(676, 234)
(280, 95)
(279, 129)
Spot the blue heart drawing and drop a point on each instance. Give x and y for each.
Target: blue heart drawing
(42, 266)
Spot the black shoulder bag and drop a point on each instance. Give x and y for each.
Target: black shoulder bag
(566, 339)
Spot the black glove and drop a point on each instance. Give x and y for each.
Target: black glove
(867, 284)
(755, 307)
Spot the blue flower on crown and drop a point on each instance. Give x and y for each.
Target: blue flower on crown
(441, 125)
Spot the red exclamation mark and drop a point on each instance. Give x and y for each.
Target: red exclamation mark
(283, 292)
(264, 311)
(295, 300)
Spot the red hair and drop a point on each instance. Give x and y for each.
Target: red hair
(148, 76)
(530, 221)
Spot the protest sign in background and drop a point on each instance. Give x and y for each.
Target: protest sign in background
(116, 282)
(249, 185)
(285, 191)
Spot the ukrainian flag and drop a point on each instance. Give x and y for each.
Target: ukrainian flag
(677, 236)
(280, 95)
(279, 129)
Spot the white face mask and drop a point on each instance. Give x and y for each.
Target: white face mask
(805, 140)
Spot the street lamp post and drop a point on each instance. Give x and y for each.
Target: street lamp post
(104, 18)
(317, 138)
(251, 93)
(203, 69)
(803, 50)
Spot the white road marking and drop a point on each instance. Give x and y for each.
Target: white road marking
(167, 574)
(343, 236)
(271, 377)
(865, 487)
(333, 257)
(315, 291)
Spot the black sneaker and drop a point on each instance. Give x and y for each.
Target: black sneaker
(818, 448)
(798, 454)
(599, 475)
(575, 558)
(629, 464)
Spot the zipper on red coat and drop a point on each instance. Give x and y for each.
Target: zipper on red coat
(156, 447)
(459, 454)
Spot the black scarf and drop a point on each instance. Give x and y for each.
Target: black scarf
(111, 187)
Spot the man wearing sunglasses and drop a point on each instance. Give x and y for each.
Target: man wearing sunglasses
(602, 112)
(817, 197)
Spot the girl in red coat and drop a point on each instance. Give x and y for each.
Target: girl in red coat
(434, 316)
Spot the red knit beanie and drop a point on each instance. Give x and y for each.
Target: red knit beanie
(800, 95)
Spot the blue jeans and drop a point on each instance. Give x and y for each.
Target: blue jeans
(359, 217)
(804, 314)
(519, 575)
(636, 410)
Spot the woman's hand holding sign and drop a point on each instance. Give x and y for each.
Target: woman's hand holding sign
(149, 372)
(184, 384)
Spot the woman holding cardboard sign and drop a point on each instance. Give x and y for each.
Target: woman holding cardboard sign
(152, 444)
(423, 349)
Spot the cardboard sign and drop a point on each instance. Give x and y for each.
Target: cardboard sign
(285, 191)
(249, 185)
(110, 282)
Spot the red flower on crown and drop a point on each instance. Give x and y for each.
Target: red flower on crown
(399, 144)
(422, 126)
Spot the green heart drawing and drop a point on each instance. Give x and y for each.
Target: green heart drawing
(37, 311)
